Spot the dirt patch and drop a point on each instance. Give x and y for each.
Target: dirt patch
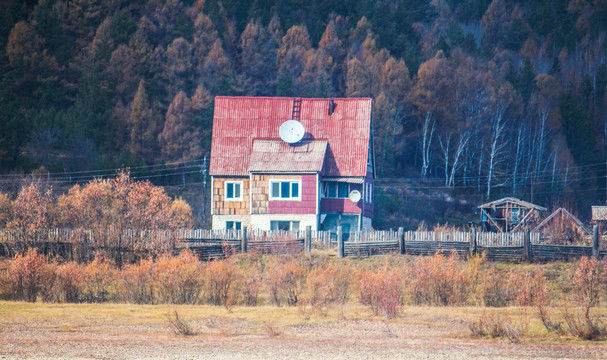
(134, 333)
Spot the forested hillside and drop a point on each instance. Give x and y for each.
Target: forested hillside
(473, 99)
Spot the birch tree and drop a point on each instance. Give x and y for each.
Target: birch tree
(497, 146)
(426, 141)
(464, 137)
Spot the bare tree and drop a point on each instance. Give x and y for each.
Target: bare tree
(445, 148)
(517, 159)
(464, 137)
(426, 142)
(497, 145)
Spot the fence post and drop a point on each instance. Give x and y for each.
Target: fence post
(308, 239)
(243, 241)
(527, 247)
(340, 242)
(472, 245)
(595, 241)
(401, 241)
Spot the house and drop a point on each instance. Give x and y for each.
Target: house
(509, 215)
(287, 163)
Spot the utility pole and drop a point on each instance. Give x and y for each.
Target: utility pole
(203, 171)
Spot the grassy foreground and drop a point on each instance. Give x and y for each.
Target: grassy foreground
(266, 320)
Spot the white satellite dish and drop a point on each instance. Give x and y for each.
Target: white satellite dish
(291, 131)
(354, 196)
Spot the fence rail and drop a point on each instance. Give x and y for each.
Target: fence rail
(210, 244)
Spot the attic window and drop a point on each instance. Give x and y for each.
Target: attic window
(332, 107)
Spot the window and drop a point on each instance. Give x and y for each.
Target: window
(285, 190)
(233, 190)
(336, 190)
(368, 190)
(284, 225)
(233, 225)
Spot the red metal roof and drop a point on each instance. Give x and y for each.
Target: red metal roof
(271, 156)
(238, 121)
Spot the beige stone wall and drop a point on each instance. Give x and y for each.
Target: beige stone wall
(223, 207)
(262, 221)
(219, 221)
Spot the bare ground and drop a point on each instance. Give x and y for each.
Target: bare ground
(131, 332)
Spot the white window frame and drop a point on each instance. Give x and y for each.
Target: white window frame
(225, 189)
(291, 181)
(291, 223)
(325, 190)
(236, 225)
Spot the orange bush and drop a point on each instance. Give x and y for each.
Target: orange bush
(328, 284)
(69, 282)
(587, 281)
(495, 289)
(30, 275)
(530, 290)
(219, 279)
(285, 282)
(179, 279)
(137, 282)
(250, 280)
(99, 278)
(381, 290)
(439, 280)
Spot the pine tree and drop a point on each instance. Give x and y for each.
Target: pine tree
(180, 139)
(142, 125)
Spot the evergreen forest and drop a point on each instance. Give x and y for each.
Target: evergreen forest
(473, 100)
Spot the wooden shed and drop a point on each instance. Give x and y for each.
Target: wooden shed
(509, 215)
(562, 227)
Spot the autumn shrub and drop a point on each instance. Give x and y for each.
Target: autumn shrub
(475, 270)
(250, 277)
(30, 275)
(220, 276)
(587, 282)
(495, 288)
(381, 290)
(6, 291)
(494, 325)
(533, 291)
(285, 281)
(438, 280)
(179, 279)
(99, 279)
(137, 282)
(179, 325)
(328, 285)
(69, 282)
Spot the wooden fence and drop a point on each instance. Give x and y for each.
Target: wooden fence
(212, 244)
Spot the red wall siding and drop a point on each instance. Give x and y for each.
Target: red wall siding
(342, 205)
(307, 205)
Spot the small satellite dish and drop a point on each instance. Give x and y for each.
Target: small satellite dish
(354, 196)
(291, 131)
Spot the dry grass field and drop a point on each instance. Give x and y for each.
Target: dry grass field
(119, 331)
(312, 307)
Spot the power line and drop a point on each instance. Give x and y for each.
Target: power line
(141, 168)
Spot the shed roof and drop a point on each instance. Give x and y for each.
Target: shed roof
(511, 200)
(238, 121)
(270, 156)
